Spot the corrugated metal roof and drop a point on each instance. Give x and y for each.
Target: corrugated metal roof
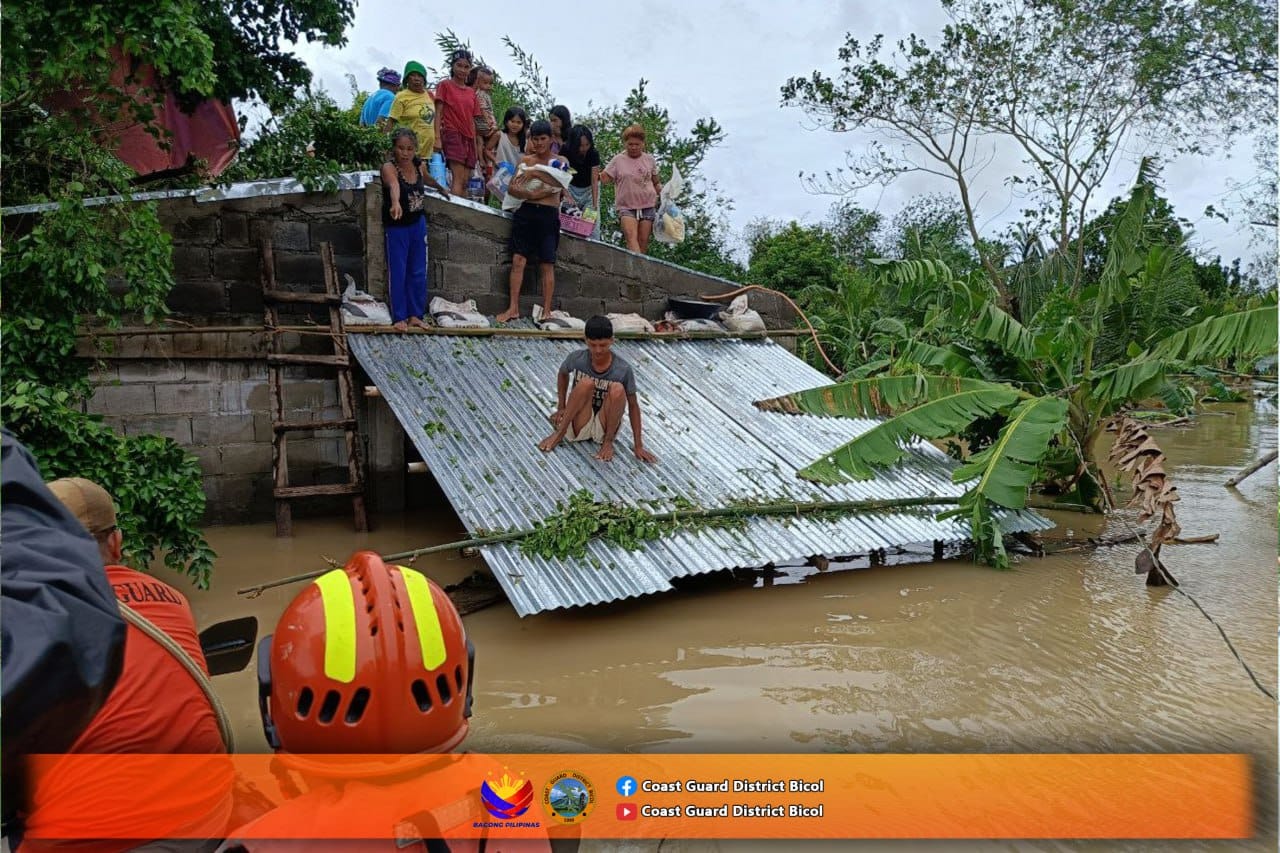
(491, 396)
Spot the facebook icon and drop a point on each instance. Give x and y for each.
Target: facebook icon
(626, 785)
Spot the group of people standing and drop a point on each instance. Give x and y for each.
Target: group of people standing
(457, 122)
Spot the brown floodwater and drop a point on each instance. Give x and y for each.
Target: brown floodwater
(1064, 653)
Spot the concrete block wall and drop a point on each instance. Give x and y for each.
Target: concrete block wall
(219, 410)
(206, 386)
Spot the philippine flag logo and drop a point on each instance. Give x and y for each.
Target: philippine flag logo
(508, 797)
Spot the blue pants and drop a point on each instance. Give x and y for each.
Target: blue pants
(407, 269)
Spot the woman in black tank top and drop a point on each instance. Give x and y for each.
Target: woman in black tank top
(404, 185)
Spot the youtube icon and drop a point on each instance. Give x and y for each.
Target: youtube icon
(627, 811)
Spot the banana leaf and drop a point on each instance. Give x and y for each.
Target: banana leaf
(877, 396)
(1006, 469)
(1244, 334)
(886, 443)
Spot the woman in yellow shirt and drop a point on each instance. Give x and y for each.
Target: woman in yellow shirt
(415, 108)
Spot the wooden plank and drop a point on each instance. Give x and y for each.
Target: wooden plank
(307, 298)
(300, 358)
(298, 426)
(291, 492)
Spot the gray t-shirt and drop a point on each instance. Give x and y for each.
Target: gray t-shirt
(578, 366)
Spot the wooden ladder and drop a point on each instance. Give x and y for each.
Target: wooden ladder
(277, 361)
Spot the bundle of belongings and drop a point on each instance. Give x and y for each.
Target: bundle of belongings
(673, 322)
(556, 321)
(629, 323)
(361, 309)
(457, 315)
(556, 172)
(740, 318)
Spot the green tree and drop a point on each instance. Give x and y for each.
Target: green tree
(1068, 85)
(790, 257)
(103, 263)
(1047, 386)
(313, 140)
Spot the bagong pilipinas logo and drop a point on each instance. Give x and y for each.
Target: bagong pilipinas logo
(569, 797)
(506, 798)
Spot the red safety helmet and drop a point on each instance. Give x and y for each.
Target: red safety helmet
(369, 658)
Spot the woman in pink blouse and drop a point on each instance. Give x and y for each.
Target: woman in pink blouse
(635, 175)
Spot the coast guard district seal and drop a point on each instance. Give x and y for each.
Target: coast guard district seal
(569, 797)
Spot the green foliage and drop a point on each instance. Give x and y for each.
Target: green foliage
(104, 263)
(1031, 396)
(789, 257)
(155, 483)
(338, 143)
(1068, 85)
(582, 519)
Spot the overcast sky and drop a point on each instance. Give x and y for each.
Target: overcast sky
(727, 59)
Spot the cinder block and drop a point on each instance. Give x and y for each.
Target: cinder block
(198, 298)
(237, 265)
(244, 298)
(191, 263)
(346, 239)
(472, 279)
(208, 458)
(219, 429)
(582, 307)
(195, 230)
(235, 229)
(247, 458)
(246, 397)
(123, 400)
(299, 269)
(187, 397)
(151, 371)
(225, 371)
(176, 427)
(291, 237)
(308, 394)
(228, 499)
(467, 248)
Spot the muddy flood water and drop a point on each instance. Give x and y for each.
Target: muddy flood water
(1064, 653)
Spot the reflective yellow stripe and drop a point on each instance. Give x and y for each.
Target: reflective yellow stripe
(339, 625)
(430, 636)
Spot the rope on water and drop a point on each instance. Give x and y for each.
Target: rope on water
(1174, 585)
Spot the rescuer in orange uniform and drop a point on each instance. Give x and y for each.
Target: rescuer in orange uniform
(369, 660)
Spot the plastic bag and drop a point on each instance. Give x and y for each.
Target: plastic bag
(502, 176)
(740, 318)
(668, 226)
(361, 309)
(457, 315)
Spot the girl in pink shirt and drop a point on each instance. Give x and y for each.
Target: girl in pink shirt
(635, 174)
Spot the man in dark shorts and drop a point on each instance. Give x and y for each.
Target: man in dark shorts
(604, 386)
(535, 228)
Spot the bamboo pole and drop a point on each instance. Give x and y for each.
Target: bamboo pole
(1251, 470)
(773, 509)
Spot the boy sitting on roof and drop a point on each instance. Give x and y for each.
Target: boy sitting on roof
(604, 385)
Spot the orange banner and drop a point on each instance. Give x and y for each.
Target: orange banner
(671, 796)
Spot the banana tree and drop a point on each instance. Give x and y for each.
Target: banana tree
(972, 360)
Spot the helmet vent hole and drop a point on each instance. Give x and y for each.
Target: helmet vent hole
(329, 707)
(355, 710)
(305, 698)
(421, 695)
(457, 676)
(373, 629)
(442, 685)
